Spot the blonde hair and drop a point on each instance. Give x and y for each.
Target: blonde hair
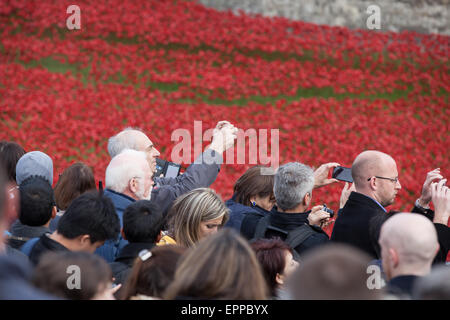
(192, 208)
(221, 267)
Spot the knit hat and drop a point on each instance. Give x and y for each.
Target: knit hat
(34, 163)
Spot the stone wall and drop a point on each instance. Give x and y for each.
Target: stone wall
(424, 16)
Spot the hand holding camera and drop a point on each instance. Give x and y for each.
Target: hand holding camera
(320, 216)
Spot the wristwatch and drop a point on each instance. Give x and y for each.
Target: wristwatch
(417, 204)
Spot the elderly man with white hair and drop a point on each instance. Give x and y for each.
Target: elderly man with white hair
(200, 174)
(409, 243)
(128, 178)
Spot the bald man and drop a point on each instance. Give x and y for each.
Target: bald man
(409, 243)
(375, 178)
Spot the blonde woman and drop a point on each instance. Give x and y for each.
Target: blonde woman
(193, 216)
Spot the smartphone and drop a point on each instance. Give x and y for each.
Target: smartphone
(167, 169)
(343, 174)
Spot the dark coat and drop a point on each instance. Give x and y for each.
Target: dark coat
(286, 222)
(352, 225)
(110, 248)
(238, 212)
(43, 245)
(121, 267)
(402, 286)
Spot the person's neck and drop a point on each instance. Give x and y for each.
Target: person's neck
(370, 194)
(68, 243)
(128, 193)
(411, 270)
(298, 209)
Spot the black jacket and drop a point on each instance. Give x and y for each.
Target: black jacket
(121, 267)
(402, 286)
(239, 211)
(286, 222)
(44, 244)
(353, 223)
(200, 174)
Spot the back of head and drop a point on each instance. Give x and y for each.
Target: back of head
(74, 181)
(123, 167)
(10, 153)
(125, 139)
(434, 286)
(142, 222)
(253, 183)
(271, 255)
(36, 201)
(34, 163)
(222, 266)
(53, 275)
(152, 274)
(292, 182)
(192, 208)
(414, 239)
(91, 214)
(335, 272)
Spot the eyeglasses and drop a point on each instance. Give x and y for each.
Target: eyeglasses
(394, 180)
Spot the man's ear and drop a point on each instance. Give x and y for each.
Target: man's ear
(307, 199)
(54, 211)
(123, 234)
(84, 240)
(133, 185)
(393, 256)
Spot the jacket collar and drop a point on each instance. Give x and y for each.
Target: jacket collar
(365, 200)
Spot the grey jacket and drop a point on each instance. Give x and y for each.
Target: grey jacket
(22, 233)
(200, 174)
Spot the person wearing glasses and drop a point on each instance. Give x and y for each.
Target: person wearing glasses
(376, 183)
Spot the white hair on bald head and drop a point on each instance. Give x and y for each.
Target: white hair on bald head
(123, 140)
(124, 167)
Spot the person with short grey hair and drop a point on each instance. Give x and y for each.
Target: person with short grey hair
(293, 182)
(290, 219)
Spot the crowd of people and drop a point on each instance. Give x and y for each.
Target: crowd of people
(147, 237)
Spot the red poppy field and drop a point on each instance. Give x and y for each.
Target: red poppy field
(161, 65)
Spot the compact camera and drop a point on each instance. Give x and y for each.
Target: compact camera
(326, 209)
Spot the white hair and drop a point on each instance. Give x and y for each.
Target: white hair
(125, 139)
(124, 167)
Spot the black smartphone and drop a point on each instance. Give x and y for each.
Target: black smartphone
(343, 174)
